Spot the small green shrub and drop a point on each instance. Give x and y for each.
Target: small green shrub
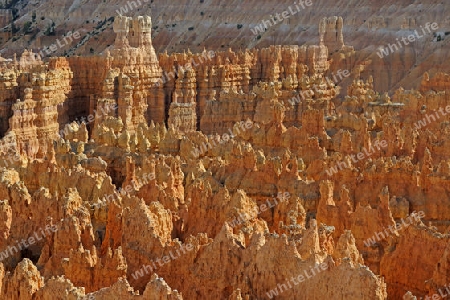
(14, 29)
(27, 27)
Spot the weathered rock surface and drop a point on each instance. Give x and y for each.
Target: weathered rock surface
(225, 179)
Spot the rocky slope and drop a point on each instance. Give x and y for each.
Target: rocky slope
(216, 25)
(225, 174)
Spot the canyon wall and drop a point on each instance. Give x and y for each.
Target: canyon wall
(211, 24)
(220, 174)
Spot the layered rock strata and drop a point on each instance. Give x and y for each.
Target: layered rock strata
(228, 175)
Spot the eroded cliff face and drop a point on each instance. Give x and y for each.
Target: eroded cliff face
(220, 174)
(178, 26)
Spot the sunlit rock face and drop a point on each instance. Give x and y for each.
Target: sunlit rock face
(248, 174)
